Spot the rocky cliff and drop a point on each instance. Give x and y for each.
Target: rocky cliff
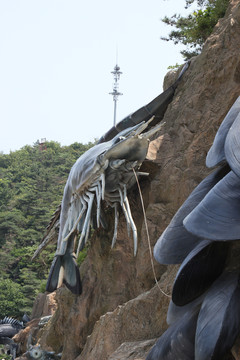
(122, 311)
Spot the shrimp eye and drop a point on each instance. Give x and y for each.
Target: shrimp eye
(120, 138)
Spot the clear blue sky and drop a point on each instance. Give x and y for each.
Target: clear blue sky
(56, 58)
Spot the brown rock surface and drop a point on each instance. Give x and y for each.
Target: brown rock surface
(22, 337)
(44, 305)
(120, 303)
(132, 321)
(136, 350)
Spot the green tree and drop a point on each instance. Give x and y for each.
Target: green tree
(32, 180)
(12, 300)
(193, 30)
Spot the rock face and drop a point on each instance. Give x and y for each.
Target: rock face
(44, 305)
(121, 309)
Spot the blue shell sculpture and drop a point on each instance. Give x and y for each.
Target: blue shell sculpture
(204, 312)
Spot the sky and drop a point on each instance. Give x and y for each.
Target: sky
(56, 58)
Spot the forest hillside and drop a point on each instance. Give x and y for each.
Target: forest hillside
(31, 187)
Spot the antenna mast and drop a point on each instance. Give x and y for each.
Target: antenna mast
(115, 93)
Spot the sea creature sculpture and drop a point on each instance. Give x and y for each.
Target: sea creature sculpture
(10, 327)
(104, 173)
(157, 108)
(204, 313)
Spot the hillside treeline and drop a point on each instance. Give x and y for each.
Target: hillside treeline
(31, 186)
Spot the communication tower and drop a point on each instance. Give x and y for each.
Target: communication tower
(115, 93)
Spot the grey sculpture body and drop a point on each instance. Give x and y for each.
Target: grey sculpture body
(104, 173)
(10, 327)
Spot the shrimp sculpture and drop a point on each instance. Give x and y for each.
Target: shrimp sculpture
(104, 172)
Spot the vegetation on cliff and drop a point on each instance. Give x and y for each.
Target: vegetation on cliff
(193, 30)
(31, 186)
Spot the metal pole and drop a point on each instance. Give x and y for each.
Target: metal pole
(115, 93)
(115, 113)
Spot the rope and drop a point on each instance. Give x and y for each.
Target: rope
(148, 237)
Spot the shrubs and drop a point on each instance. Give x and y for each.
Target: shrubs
(194, 29)
(31, 187)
